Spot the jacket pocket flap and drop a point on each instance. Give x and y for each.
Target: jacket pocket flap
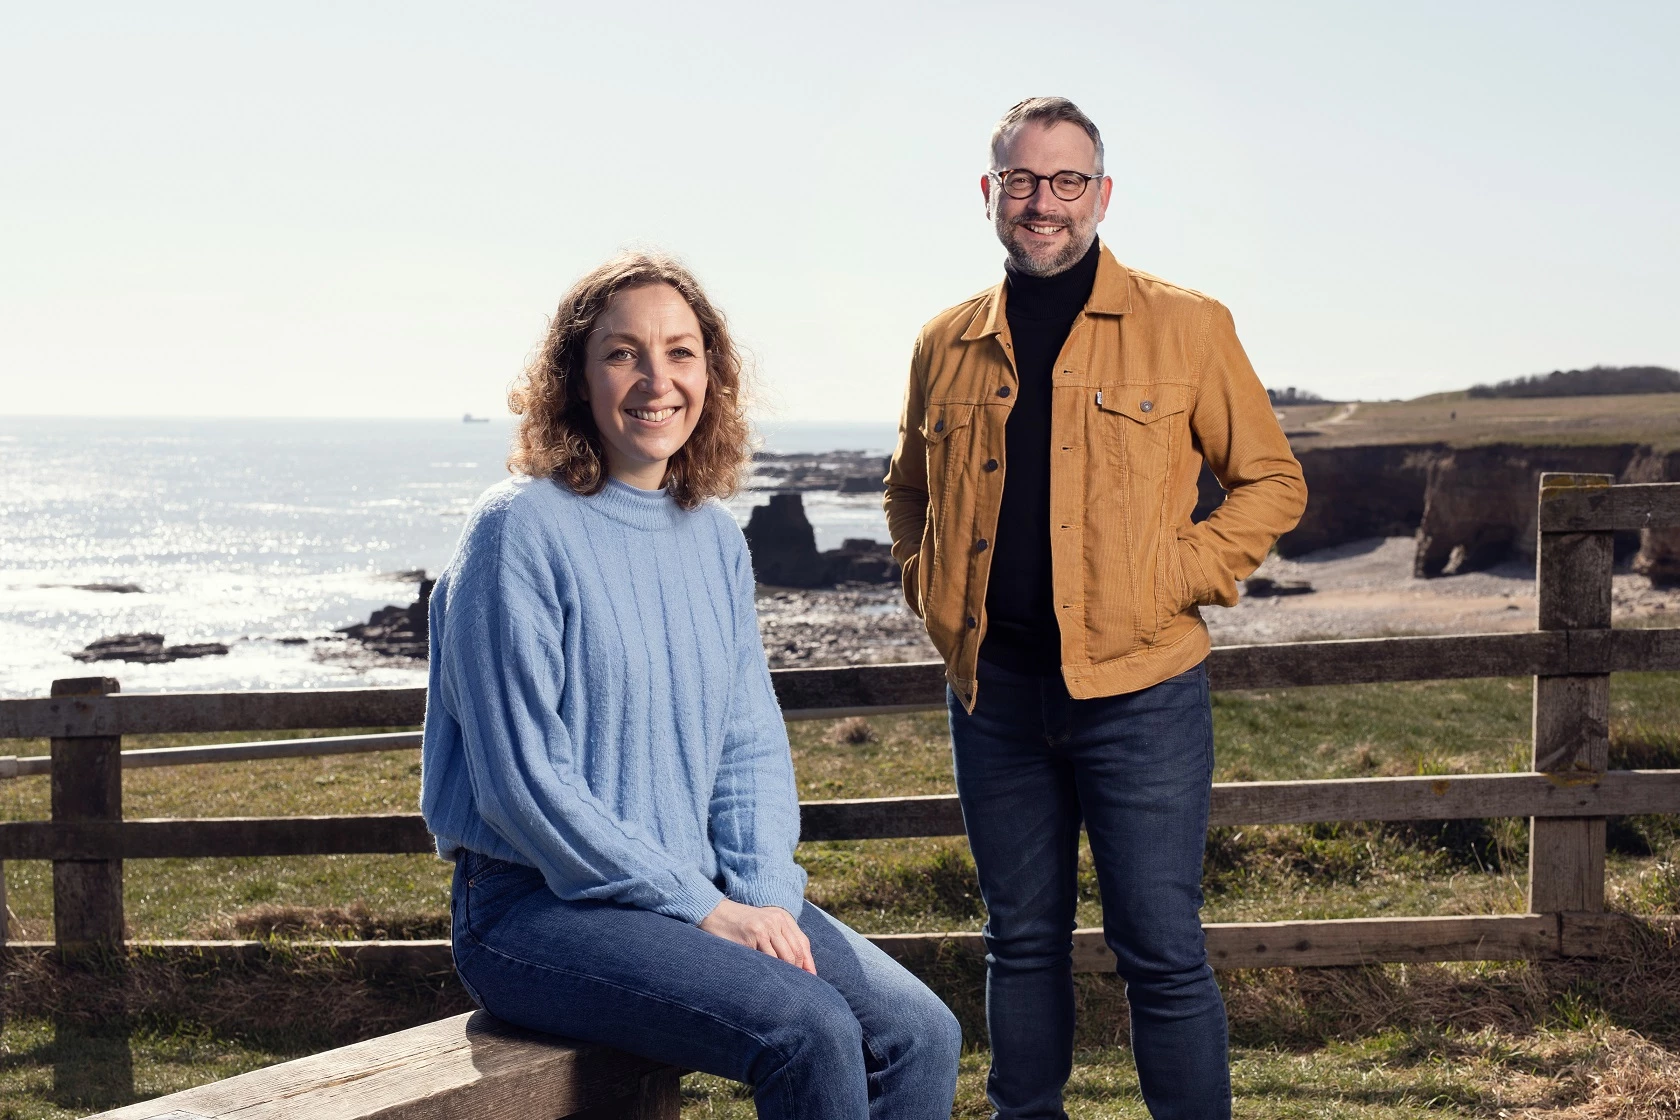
(1143, 403)
(943, 419)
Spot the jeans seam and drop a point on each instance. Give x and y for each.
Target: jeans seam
(766, 1043)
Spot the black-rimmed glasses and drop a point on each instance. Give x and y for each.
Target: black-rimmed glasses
(1019, 183)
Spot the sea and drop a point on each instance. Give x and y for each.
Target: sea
(264, 535)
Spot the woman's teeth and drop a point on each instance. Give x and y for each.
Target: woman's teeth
(651, 415)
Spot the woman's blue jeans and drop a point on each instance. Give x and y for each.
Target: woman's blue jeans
(1137, 769)
(861, 1039)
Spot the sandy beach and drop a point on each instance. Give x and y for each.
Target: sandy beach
(1362, 589)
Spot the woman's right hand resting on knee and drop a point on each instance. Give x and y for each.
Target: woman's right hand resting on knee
(769, 929)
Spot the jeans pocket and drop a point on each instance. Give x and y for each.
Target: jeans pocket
(480, 867)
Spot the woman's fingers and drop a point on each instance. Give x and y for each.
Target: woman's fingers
(767, 929)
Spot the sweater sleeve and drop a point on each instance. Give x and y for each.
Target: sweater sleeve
(755, 803)
(502, 677)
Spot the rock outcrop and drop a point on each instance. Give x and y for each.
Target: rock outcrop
(146, 648)
(784, 550)
(849, 472)
(397, 631)
(1470, 508)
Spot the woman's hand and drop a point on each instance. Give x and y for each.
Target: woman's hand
(769, 929)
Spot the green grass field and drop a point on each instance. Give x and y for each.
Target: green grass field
(1463, 1040)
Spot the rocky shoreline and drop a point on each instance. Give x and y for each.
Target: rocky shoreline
(1397, 539)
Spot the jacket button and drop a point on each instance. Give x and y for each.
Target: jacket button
(939, 425)
(971, 622)
(980, 545)
(990, 465)
(1147, 406)
(1003, 390)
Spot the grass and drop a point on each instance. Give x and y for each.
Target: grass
(1453, 1040)
(1462, 421)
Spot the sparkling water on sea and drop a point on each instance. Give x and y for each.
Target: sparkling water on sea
(252, 532)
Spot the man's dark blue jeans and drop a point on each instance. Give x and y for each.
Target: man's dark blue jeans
(1031, 764)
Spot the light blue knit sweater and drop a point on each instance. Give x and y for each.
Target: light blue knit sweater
(599, 706)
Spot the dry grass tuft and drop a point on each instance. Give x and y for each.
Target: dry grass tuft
(1626, 1078)
(325, 923)
(313, 996)
(853, 732)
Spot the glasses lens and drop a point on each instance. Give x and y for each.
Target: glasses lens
(1068, 186)
(1019, 184)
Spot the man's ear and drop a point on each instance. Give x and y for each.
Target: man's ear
(986, 192)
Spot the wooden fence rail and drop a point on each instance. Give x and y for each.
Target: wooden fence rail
(1567, 794)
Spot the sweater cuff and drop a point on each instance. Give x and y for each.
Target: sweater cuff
(789, 894)
(691, 899)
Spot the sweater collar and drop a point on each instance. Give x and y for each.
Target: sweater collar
(640, 509)
(1057, 297)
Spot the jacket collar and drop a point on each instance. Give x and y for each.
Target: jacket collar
(1111, 294)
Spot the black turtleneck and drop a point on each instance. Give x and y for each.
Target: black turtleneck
(1021, 630)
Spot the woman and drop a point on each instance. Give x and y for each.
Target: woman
(604, 758)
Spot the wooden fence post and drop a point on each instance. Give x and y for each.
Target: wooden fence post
(1571, 713)
(87, 786)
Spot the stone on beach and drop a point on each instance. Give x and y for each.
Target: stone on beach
(784, 550)
(397, 631)
(146, 648)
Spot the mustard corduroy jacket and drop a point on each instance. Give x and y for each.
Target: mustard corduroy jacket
(1150, 383)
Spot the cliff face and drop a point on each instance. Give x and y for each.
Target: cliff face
(1481, 502)
(1356, 492)
(1471, 508)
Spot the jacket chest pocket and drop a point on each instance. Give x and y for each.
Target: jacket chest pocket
(1140, 425)
(947, 429)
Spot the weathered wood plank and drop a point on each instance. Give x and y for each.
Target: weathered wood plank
(829, 693)
(1311, 944)
(876, 818)
(1644, 650)
(379, 833)
(1571, 713)
(1652, 505)
(1365, 660)
(1327, 943)
(1452, 797)
(86, 780)
(1447, 797)
(467, 1066)
(156, 712)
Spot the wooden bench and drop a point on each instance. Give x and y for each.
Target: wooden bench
(470, 1067)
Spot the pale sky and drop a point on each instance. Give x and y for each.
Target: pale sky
(343, 209)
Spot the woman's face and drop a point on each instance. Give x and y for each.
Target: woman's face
(646, 381)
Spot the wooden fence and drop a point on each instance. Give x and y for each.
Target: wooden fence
(1567, 795)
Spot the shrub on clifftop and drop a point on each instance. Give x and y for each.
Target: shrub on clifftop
(1599, 381)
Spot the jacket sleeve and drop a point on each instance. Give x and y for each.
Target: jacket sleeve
(1242, 442)
(502, 678)
(906, 499)
(755, 803)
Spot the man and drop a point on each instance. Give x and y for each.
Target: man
(1039, 501)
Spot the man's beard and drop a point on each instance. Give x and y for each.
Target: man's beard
(1081, 232)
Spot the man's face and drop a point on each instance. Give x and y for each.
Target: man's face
(1043, 234)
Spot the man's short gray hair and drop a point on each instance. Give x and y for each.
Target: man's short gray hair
(1044, 111)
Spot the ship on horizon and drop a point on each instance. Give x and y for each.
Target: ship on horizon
(469, 418)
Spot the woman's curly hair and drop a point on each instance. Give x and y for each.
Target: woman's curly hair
(557, 437)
